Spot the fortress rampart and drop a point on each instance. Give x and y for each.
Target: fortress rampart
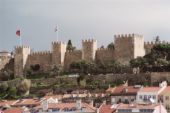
(72, 56)
(43, 58)
(126, 47)
(104, 54)
(149, 45)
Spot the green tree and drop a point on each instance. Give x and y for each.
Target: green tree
(70, 47)
(57, 70)
(35, 67)
(3, 86)
(111, 46)
(12, 92)
(82, 66)
(138, 62)
(162, 62)
(157, 40)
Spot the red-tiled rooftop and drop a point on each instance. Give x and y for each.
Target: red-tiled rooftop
(53, 96)
(110, 90)
(149, 89)
(13, 110)
(106, 109)
(7, 102)
(126, 90)
(24, 102)
(138, 106)
(68, 105)
(166, 90)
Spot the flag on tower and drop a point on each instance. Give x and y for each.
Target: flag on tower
(18, 33)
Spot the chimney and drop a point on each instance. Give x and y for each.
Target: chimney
(104, 102)
(125, 83)
(78, 104)
(92, 103)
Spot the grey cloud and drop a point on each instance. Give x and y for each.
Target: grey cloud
(78, 19)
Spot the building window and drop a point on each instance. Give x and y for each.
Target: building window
(167, 107)
(167, 98)
(154, 97)
(140, 96)
(145, 97)
(149, 96)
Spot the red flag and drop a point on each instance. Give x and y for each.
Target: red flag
(18, 33)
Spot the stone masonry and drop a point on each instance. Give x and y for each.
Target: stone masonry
(127, 47)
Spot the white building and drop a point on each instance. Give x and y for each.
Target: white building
(140, 108)
(150, 94)
(77, 107)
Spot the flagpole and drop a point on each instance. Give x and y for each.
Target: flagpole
(20, 39)
(56, 30)
(57, 36)
(57, 33)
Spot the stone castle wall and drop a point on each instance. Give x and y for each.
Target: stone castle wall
(58, 53)
(20, 59)
(105, 55)
(139, 46)
(71, 56)
(44, 59)
(89, 48)
(127, 47)
(124, 48)
(149, 45)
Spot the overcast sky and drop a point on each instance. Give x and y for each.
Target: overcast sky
(80, 19)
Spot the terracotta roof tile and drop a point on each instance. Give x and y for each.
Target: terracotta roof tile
(106, 109)
(53, 96)
(13, 110)
(68, 105)
(126, 89)
(7, 102)
(166, 90)
(149, 89)
(110, 90)
(139, 106)
(26, 102)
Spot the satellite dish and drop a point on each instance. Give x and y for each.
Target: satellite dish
(152, 100)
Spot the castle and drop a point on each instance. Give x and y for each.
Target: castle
(127, 47)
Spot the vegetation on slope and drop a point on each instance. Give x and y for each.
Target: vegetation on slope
(157, 60)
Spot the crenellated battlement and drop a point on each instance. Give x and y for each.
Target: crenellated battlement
(126, 47)
(104, 49)
(69, 51)
(88, 40)
(40, 53)
(58, 43)
(89, 47)
(22, 47)
(73, 51)
(127, 35)
(154, 43)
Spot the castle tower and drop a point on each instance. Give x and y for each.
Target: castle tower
(58, 53)
(20, 59)
(89, 48)
(128, 46)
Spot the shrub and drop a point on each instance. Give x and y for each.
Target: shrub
(4, 86)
